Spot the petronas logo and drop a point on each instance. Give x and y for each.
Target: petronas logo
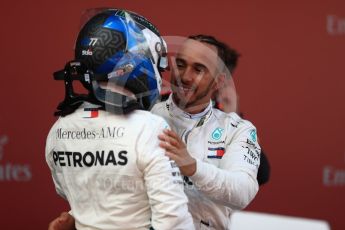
(217, 134)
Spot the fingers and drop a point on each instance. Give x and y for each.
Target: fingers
(167, 147)
(174, 148)
(172, 138)
(171, 134)
(170, 145)
(168, 140)
(64, 222)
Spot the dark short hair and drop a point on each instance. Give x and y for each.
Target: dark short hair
(227, 54)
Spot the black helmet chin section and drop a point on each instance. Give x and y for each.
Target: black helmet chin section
(76, 70)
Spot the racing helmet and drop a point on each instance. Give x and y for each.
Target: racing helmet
(119, 57)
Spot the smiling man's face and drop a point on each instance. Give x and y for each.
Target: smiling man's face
(194, 75)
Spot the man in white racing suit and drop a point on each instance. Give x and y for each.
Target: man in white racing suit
(103, 151)
(217, 153)
(113, 173)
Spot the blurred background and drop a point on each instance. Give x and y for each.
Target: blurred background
(290, 79)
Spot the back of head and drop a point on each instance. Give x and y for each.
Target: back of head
(118, 58)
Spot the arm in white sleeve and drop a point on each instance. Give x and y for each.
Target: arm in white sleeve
(234, 183)
(50, 161)
(164, 187)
